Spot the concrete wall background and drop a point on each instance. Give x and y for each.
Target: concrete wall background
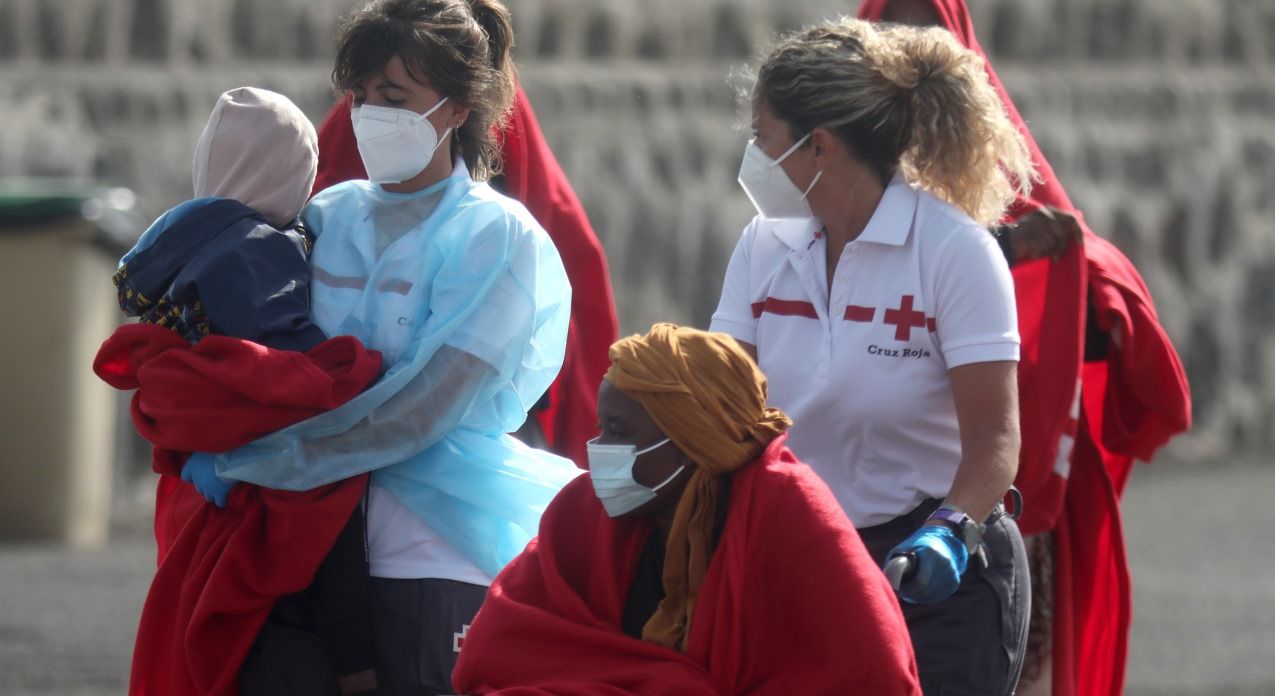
(1158, 115)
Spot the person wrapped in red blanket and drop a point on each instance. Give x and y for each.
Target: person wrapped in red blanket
(225, 353)
(698, 556)
(222, 570)
(1078, 447)
(532, 176)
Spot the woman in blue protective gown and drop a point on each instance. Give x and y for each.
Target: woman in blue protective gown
(466, 298)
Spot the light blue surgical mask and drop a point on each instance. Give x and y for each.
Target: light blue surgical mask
(611, 469)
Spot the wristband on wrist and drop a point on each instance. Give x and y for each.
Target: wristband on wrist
(966, 529)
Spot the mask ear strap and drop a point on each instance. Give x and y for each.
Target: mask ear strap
(812, 184)
(435, 107)
(656, 488)
(441, 139)
(793, 149)
(656, 446)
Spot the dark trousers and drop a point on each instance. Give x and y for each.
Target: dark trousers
(324, 632)
(419, 628)
(972, 643)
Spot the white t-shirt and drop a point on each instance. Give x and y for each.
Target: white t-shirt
(862, 371)
(404, 547)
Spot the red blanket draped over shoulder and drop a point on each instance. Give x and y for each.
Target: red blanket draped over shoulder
(1078, 450)
(791, 604)
(221, 570)
(531, 175)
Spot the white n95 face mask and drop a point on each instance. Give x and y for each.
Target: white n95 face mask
(395, 144)
(611, 469)
(768, 186)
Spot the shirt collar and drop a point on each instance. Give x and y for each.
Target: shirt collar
(891, 223)
(797, 233)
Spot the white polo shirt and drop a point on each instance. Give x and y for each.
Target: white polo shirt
(862, 371)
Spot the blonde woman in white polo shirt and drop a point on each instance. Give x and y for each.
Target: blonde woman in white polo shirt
(882, 313)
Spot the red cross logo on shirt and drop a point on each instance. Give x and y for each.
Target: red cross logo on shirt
(904, 319)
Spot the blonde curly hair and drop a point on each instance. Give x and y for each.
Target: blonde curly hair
(902, 98)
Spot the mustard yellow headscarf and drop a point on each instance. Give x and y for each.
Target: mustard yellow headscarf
(705, 393)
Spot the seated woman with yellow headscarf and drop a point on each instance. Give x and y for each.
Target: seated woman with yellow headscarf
(698, 556)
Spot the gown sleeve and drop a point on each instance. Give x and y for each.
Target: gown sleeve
(488, 343)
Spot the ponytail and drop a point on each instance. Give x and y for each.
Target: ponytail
(496, 23)
(902, 98)
(475, 136)
(962, 148)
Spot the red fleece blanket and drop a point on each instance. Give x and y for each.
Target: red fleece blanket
(1131, 404)
(1050, 295)
(221, 570)
(1145, 398)
(791, 604)
(531, 175)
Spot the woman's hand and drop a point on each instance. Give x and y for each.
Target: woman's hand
(938, 562)
(199, 470)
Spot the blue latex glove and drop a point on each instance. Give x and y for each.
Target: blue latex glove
(199, 471)
(939, 559)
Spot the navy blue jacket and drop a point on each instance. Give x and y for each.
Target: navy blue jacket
(215, 265)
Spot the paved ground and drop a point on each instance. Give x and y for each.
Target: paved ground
(1199, 538)
(1204, 579)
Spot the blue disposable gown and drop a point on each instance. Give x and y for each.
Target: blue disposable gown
(467, 299)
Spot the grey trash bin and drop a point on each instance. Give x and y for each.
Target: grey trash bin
(58, 249)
